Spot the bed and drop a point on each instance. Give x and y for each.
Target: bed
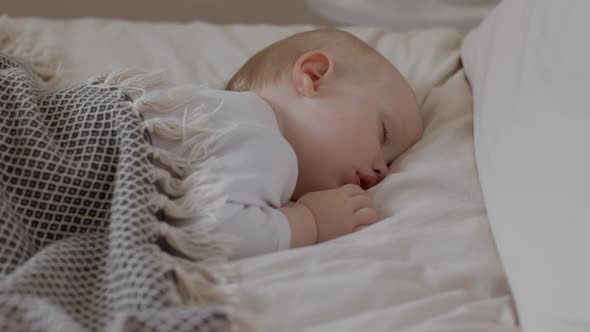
(432, 263)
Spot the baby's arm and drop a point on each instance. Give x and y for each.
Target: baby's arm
(323, 215)
(316, 217)
(303, 226)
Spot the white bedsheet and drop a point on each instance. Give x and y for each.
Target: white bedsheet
(431, 265)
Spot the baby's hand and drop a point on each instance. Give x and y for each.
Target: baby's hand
(339, 211)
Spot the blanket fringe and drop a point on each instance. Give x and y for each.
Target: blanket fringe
(43, 61)
(188, 189)
(210, 282)
(196, 159)
(196, 244)
(195, 281)
(197, 192)
(178, 164)
(125, 77)
(172, 186)
(198, 196)
(174, 129)
(130, 81)
(161, 101)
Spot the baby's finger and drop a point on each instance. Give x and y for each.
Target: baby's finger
(365, 216)
(360, 201)
(352, 189)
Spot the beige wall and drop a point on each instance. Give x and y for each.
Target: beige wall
(216, 11)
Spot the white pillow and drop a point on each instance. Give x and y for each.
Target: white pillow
(529, 67)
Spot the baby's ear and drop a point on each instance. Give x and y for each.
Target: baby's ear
(311, 70)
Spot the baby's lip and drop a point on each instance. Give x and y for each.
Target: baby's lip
(356, 180)
(367, 181)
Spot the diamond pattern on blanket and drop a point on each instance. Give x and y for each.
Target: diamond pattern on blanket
(77, 216)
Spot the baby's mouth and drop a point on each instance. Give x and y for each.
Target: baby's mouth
(367, 181)
(356, 180)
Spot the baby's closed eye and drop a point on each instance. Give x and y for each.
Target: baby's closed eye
(384, 133)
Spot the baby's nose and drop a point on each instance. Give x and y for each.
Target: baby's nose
(380, 170)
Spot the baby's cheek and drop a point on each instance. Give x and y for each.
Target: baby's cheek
(327, 179)
(363, 147)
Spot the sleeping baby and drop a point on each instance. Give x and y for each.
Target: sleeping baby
(316, 120)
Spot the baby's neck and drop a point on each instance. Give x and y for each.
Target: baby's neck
(271, 96)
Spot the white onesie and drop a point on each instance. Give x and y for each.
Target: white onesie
(257, 165)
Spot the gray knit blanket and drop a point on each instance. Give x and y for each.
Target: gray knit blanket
(82, 243)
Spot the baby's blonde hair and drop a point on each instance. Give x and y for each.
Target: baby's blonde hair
(268, 65)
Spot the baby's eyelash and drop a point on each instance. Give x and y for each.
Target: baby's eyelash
(385, 133)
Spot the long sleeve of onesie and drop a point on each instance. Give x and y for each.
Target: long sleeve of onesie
(258, 168)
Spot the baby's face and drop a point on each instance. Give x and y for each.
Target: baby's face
(354, 132)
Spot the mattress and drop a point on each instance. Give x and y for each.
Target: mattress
(431, 264)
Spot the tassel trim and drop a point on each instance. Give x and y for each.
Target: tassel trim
(188, 189)
(43, 61)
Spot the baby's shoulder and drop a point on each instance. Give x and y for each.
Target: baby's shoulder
(246, 120)
(238, 108)
(251, 151)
